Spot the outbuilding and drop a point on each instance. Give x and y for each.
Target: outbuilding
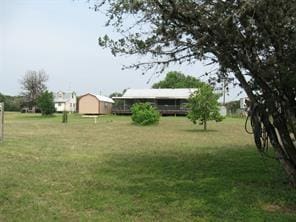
(167, 101)
(94, 104)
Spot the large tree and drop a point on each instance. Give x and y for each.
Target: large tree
(176, 79)
(254, 40)
(33, 85)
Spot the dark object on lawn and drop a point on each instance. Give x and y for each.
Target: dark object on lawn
(65, 117)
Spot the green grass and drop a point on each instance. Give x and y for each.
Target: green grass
(117, 171)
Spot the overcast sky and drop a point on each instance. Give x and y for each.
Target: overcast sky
(60, 36)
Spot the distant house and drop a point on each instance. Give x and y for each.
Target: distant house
(167, 101)
(65, 101)
(94, 104)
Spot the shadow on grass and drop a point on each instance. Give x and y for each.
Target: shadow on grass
(227, 185)
(146, 126)
(201, 131)
(36, 116)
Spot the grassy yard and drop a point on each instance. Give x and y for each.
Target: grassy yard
(117, 171)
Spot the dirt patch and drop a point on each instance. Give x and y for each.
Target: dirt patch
(275, 208)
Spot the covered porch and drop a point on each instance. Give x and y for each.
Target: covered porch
(164, 105)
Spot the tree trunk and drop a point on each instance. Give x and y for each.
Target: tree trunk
(287, 146)
(205, 125)
(274, 116)
(279, 137)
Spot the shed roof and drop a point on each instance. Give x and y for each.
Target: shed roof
(104, 98)
(183, 93)
(100, 97)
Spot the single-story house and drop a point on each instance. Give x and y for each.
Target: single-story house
(65, 101)
(167, 101)
(94, 104)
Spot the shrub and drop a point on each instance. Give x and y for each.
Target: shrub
(144, 114)
(45, 103)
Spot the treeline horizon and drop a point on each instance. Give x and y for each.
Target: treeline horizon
(11, 103)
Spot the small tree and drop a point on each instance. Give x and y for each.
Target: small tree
(45, 103)
(144, 114)
(204, 106)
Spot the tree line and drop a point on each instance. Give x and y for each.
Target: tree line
(34, 96)
(12, 103)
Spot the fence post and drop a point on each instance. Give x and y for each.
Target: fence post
(1, 122)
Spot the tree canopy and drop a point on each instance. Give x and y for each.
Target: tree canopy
(33, 85)
(115, 94)
(177, 80)
(254, 40)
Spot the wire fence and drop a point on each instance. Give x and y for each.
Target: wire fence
(1, 122)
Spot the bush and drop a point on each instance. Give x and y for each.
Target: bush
(144, 114)
(45, 103)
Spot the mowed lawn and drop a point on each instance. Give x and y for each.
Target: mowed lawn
(116, 171)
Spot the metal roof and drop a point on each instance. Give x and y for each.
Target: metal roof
(183, 93)
(104, 98)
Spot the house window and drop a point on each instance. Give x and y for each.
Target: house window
(59, 104)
